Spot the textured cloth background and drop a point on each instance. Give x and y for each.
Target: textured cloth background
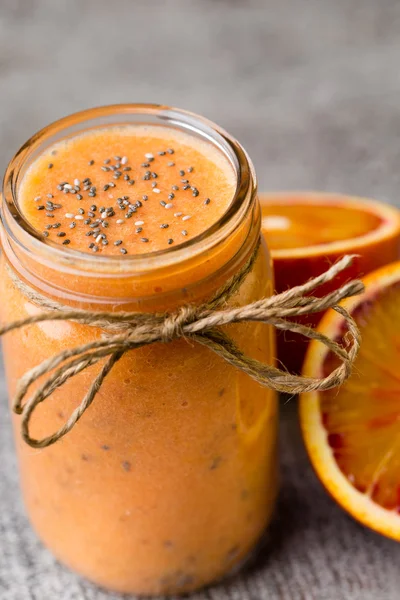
(312, 89)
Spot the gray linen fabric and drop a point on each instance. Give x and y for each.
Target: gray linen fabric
(312, 89)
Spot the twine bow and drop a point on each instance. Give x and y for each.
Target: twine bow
(128, 331)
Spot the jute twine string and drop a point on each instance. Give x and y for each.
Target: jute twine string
(125, 331)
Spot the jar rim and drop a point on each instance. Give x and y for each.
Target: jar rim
(29, 239)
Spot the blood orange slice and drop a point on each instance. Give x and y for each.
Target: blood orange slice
(309, 231)
(353, 434)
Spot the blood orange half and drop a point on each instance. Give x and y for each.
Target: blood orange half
(308, 231)
(353, 434)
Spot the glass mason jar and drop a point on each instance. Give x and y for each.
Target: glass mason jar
(169, 479)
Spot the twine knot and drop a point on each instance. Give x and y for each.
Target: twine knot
(173, 324)
(202, 324)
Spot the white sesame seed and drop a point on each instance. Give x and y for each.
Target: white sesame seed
(99, 238)
(149, 155)
(169, 205)
(186, 218)
(69, 215)
(38, 198)
(139, 222)
(68, 186)
(120, 221)
(178, 214)
(124, 160)
(77, 182)
(156, 190)
(104, 215)
(79, 217)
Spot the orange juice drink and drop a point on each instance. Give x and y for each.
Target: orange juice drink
(168, 480)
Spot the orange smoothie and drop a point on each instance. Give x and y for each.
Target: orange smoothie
(127, 191)
(168, 481)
